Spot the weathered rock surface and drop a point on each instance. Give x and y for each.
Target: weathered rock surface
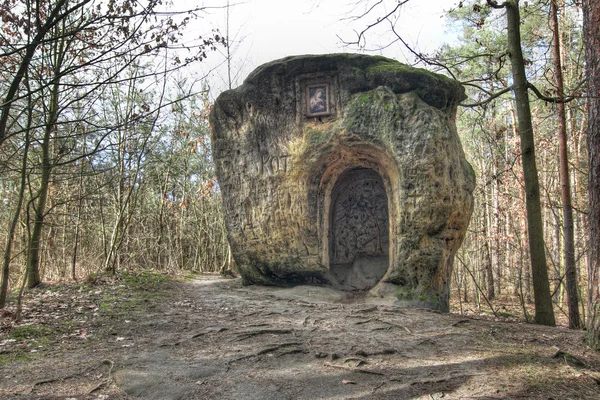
(347, 170)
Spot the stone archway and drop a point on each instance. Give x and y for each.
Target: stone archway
(358, 230)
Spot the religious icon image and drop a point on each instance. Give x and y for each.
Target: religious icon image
(318, 100)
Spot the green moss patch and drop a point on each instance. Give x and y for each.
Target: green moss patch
(132, 292)
(434, 89)
(69, 314)
(416, 296)
(316, 137)
(34, 331)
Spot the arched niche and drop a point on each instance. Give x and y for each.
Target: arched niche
(359, 241)
(341, 172)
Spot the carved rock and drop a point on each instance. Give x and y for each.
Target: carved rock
(345, 170)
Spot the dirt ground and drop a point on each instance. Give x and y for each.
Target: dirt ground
(209, 338)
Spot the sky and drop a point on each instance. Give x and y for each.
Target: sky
(266, 30)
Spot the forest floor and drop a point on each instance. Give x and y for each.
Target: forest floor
(149, 337)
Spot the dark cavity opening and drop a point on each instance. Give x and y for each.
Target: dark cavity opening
(358, 230)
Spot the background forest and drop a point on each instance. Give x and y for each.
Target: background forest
(105, 161)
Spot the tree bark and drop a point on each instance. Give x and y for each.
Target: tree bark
(544, 313)
(33, 247)
(591, 34)
(495, 229)
(487, 251)
(15, 219)
(565, 182)
(77, 219)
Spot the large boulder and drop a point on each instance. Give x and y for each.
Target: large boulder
(346, 170)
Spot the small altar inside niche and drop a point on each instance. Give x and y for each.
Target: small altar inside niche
(344, 170)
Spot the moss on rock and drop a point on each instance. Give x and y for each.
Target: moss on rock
(366, 73)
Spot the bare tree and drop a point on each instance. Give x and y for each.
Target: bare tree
(61, 57)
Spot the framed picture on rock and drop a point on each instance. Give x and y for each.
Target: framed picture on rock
(317, 100)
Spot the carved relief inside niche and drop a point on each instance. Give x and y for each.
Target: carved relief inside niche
(359, 234)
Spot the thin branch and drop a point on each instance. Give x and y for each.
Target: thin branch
(357, 17)
(361, 34)
(540, 96)
(477, 286)
(492, 96)
(420, 56)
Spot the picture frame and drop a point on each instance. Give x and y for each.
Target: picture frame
(318, 100)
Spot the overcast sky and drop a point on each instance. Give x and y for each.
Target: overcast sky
(266, 30)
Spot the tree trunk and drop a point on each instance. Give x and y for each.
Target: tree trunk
(495, 230)
(544, 313)
(557, 278)
(33, 247)
(15, 220)
(77, 219)
(487, 251)
(591, 33)
(565, 182)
